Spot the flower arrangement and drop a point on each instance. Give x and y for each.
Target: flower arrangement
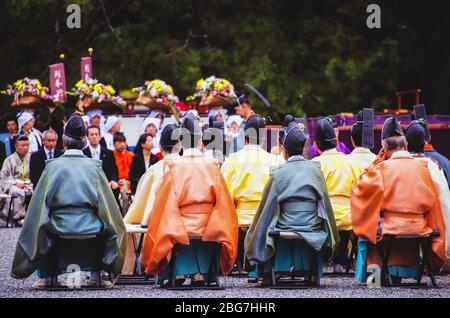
(156, 93)
(92, 92)
(213, 91)
(28, 92)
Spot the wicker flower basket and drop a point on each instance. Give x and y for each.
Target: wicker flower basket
(29, 101)
(151, 103)
(88, 102)
(215, 101)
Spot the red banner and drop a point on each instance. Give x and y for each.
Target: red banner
(58, 82)
(86, 68)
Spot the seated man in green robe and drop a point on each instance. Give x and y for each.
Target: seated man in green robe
(72, 200)
(295, 200)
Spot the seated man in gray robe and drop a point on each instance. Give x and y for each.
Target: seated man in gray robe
(294, 200)
(15, 181)
(72, 200)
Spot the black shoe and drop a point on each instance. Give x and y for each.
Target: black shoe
(198, 280)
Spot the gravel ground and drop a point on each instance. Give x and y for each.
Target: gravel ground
(332, 287)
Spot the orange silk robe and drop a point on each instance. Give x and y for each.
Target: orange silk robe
(403, 190)
(192, 201)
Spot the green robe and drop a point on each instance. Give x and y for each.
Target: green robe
(290, 203)
(73, 197)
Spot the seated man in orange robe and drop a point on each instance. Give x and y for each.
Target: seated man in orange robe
(396, 196)
(193, 211)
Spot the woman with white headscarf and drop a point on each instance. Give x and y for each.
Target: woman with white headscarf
(151, 126)
(112, 125)
(232, 132)
(26, 124)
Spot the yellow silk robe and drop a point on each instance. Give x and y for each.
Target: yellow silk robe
(141, 208)
(246, 173)
(340, 173)
(362, 156)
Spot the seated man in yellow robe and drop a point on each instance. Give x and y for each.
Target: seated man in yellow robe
(340, 173)
(246, 173)
(362, 139)
(142, 206)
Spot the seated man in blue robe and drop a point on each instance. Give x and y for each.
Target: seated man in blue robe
(294, 200)
(73, 199)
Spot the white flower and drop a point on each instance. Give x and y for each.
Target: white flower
(164, 89)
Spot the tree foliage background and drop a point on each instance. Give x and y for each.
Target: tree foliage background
(307, 57)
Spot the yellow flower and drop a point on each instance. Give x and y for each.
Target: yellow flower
(111, 89)
(79, 83)
(98, 88)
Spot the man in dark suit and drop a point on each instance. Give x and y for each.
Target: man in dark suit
(38, 158)
(94, 150)
(8, 136)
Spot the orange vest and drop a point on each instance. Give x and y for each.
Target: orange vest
(123, 163)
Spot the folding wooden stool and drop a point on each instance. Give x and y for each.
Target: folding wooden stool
(213, 267)
(353, 240)
(423, 244)
(82, 250)
(291, 282)
(238, 269)
(138, 277)
(9, 218)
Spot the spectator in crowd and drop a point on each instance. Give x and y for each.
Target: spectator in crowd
(7, 137)
(142, 160)
(48, 152)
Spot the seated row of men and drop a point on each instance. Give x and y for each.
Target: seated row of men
(191, 204)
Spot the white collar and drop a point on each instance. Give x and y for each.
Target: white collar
(98, 148)
(401, 153)
(361, 150)
(24, 158)
(252, 147)
(171, 156)
(192, 152)
(332, 150)
(209, 153)
(76, 152)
